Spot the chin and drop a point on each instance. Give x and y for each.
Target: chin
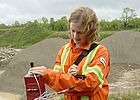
(77, 43)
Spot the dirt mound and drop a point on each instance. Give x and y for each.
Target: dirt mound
(125, 59)
(123, 46)
(42, 53)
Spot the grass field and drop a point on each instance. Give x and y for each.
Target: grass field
(125, 96)
(23, 38)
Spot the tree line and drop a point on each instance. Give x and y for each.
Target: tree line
(128, 20)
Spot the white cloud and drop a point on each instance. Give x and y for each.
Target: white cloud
(23, 10)
(107, 13)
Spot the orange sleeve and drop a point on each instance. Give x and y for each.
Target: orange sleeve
(102, 53)
(58, 57)
(59, 81)
(92, 81)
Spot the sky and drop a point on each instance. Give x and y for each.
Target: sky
(28, 10)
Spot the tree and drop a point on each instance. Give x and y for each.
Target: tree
(64, 23)
(136, 23)
(116, 25)
(61, 24)
(127, 16)
(105, 25)
(16, 24)
(52, 23)
(45, 20)
(45, 23)
(2, 26)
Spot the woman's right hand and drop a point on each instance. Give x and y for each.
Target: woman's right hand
(40, 70)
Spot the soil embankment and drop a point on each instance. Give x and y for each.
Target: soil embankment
(125, 62)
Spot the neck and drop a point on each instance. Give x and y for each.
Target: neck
(81, 46)
(78, 46)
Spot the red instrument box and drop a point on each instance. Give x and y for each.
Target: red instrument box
(32, 89)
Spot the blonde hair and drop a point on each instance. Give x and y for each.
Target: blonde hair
(88, 19)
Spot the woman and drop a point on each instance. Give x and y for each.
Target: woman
(95, 66)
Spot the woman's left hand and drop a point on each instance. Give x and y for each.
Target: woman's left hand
(73, 70)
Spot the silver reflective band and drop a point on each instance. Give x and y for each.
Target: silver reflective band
(65, 56)
(103, 61)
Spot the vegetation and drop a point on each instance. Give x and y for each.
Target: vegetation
(125, 96)
(119, 96)
(104, 34)
(128, 17)
(23, 35)
(62, 34)
(27, 36)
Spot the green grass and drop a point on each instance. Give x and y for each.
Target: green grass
(119, 96)
(63, 35)
(125, 96)
(104, 34)
(22, 37)
(27, 36)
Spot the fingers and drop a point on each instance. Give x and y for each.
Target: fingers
(38, 70)
(73, 70)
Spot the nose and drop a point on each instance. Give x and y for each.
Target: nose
(75, 34)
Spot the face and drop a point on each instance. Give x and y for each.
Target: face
(79, 36)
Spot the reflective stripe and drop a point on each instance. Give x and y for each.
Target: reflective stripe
(84, 98)
(95, 69)
(64, 56)
(57, 67)
(98, 71)
(89, 58)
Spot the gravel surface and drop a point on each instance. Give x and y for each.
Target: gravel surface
(125, 60)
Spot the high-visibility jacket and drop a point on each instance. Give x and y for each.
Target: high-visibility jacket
(95, 66)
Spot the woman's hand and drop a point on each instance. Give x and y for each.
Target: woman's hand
(73, 70)
(38, 70)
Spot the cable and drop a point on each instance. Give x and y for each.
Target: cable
(45, 96)
(37, 84)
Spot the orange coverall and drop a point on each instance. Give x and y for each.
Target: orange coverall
(93, 87)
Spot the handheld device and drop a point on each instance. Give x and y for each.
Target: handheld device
(34, 85)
